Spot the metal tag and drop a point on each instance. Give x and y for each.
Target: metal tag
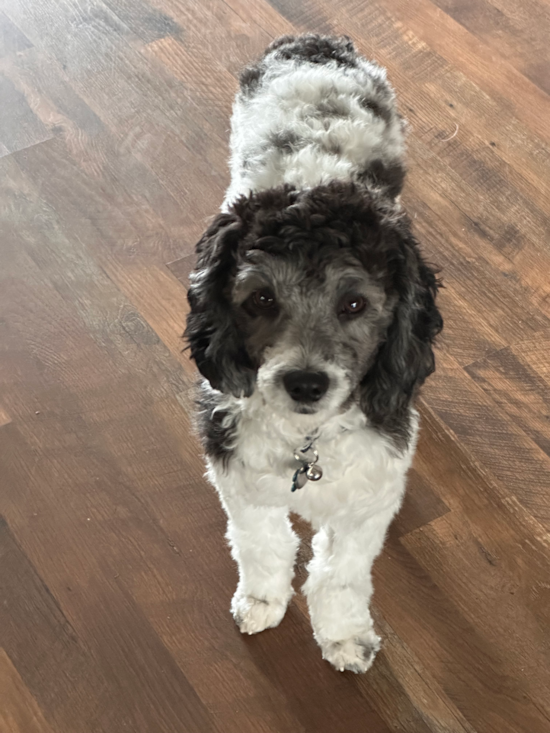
(308, 471)
(299, 480)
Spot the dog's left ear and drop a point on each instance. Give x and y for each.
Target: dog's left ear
(215, 339)
(405, 358)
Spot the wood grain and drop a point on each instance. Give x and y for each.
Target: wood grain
(11, 38)
(115, 578)
(19, 712)
(521, 391)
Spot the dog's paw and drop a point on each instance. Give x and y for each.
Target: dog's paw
(355, 654)
(253, 615)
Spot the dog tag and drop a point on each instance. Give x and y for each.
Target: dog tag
(299, 480)
(308, 471)
(314, 473)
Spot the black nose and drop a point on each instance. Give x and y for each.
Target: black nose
(306, 386)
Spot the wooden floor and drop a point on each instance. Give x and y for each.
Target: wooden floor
(114, 576)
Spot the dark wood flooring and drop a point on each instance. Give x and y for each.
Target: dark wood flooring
(114, 576)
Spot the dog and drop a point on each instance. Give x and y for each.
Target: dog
(312, 321)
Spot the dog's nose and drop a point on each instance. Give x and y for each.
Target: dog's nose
(305, 386)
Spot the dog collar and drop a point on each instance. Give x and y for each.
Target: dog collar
(308, 470)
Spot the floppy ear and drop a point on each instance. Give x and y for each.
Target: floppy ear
(405, 358)
(215, 340)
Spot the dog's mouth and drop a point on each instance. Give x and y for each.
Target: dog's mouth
(306, 410)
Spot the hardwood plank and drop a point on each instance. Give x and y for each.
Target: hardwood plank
(159, 695)
(140, 226)
(534, 352)
(418, 700)
(19, 712)
(443, 210)
(261, 14)
(306, 14)
(29, 608)
(422, 504)
(51, 98)
(19, 127)
(92, 154)
(507, 536)
(165, 115)
(114, 234)
(514, 384)
(233, 38)
(5, 419)
(472, 671)
(89, 518)
(144, 20)
(211, 84)
(493, 439)
(461, 49)
(485, 176)
(517, 43)
(468, 487)
(11, 39)
(65, 351)
(507, 552)
(451, 545)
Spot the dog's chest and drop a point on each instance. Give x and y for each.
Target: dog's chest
(358, 467)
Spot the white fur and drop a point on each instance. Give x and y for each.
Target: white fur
(351, 507)
(287, 101)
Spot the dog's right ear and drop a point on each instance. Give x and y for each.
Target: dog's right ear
(215, 339)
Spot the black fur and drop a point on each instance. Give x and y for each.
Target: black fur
(286, 141)
(216, 427)
(405, 358)
(311, 47)
(308, 225)
(215, 341)
(377, 109)
(388, 176)
(316, 49)
(250, 78)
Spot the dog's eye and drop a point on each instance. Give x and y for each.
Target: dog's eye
(352, 305)
(263, 301)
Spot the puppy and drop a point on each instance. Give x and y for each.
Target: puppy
(312, 319)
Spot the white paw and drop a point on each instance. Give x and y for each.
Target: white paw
(253, 615)
(355, 654)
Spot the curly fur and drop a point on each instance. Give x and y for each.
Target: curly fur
(313, 217)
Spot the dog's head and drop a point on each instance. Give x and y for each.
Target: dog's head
(315, 299)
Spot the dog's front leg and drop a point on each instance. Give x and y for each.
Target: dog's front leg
(264, 546)
(339, 588)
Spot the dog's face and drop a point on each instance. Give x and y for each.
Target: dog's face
(315, 299)
(312, 332)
